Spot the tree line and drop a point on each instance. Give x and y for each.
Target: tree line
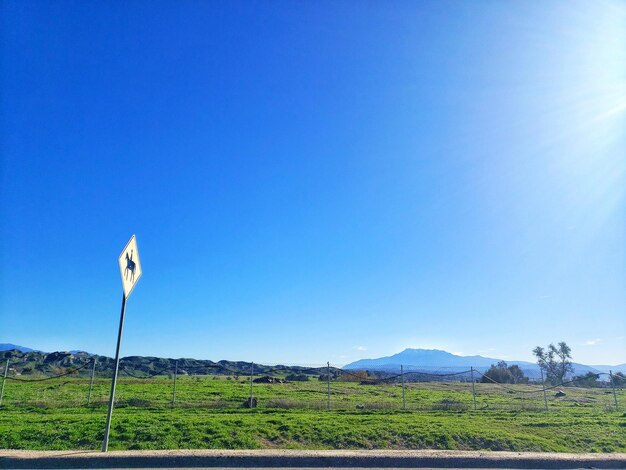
(555, 364)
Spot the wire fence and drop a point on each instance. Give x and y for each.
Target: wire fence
(187, 384)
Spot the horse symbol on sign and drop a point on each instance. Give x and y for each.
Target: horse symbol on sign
(130, 267)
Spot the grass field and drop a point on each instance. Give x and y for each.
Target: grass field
(209, 413)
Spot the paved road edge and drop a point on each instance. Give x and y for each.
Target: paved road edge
(295, 458)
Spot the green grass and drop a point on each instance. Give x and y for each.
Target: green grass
(209, 414)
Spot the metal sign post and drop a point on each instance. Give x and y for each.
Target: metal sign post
(4, 379)
(130, 269)
(251, 380)
(543, 384)
(613, 387)
(175, 379)
(93, 373)
(473, 388)
(403, 399)
(105, 443)
(328, 382)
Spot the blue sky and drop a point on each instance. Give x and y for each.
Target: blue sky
(313, 181)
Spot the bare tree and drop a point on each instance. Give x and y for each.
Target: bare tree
(555, 361)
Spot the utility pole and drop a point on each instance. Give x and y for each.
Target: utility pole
(93, 373)
(613, 387)
(4, 379)
(403, 398)
(328, 383)
(175, 378)
(545, 398)
(473, 388)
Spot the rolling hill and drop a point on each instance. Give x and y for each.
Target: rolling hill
(27, 361)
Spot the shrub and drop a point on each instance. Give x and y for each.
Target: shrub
(504, 374)
(297, 378)
(355, 376)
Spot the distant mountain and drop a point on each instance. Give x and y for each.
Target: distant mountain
(429, 358)
(435, 360)
(24, 349)
(618, 368)
(9, 346)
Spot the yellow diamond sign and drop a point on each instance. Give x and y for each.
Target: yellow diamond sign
(130, 266)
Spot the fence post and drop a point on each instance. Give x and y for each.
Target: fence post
(251, 375)
(473, 388)
(175, 378)
(613, 387)
(543, 384)
(93, 373)
(328, 383)
(4, 379)
(403, 398)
